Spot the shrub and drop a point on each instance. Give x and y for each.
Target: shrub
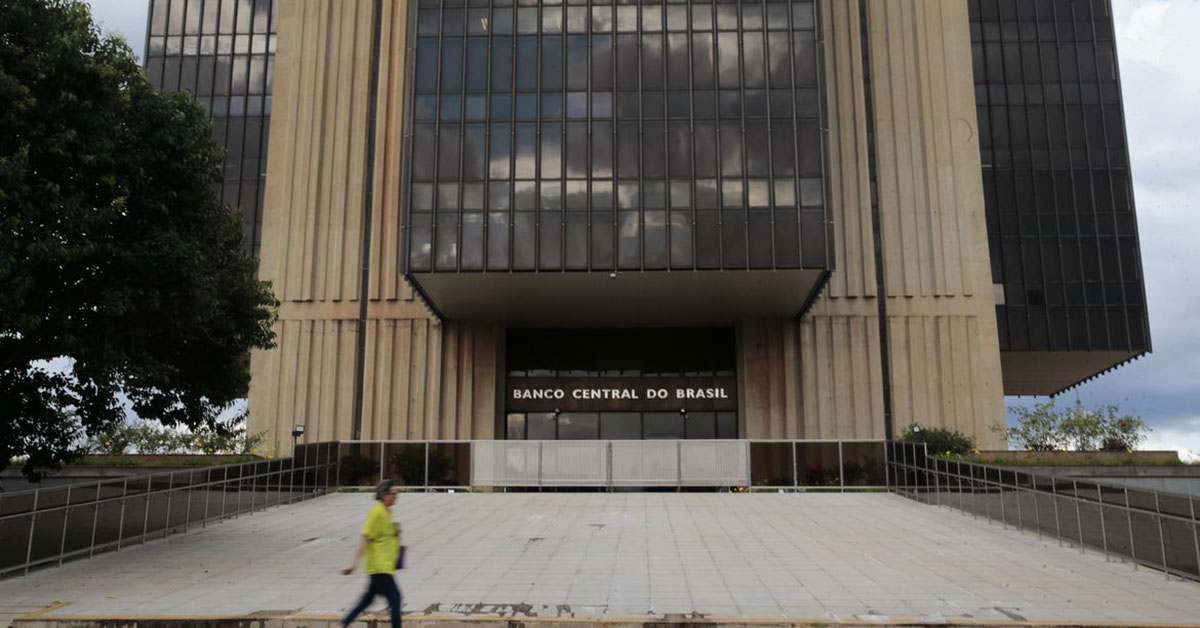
(1044, 427)
(940, 441)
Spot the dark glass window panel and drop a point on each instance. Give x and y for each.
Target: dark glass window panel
(702, 61)
(701, 425)
(628, 153)
(760, 238)
(578, 426)
(525, 195)
(472, 155)
(757, 156)
(629, 105)
(452, 60)
(475, 107)
(429, 22)
(804, 59)
(812, 230)
(706, 149)
(498, 238)
(733, 238)
(655, 243)
(728, 63)
(576, 240)
(577, 149)
(551, 196)
(681, 240)
(727, 425)
(541, 426)
(527, 107)
(602, 239)
(787, 238)
(654, 158)
(602, 104)
(708, 239)
(499, 151)
(515, 427)
(423, 144)
(678, 66)
(663, 425)
(551, 158)
(448, 152)
(652, 61)
(525, 156)
(752, 57)
(502, 60)
(680, 149)
(602, 62)
(527, 64)
(452, 21)
(472, 242)
(527, 20)
(550, 243)
(420, 241)
(577, 62)
(602, 150)
(621, 426)
(451, 107)
(446, 248)
(627, 62)
(629, 240)
(552, 64)
(731, 149)
(477, 64)
(524, 247)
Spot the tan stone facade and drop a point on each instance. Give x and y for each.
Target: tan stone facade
(819, 377)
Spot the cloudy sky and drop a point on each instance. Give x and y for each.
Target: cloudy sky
(1158, 53)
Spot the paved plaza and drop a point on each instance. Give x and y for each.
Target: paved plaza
(621, 557)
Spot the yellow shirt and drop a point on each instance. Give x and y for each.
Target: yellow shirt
(384, 537)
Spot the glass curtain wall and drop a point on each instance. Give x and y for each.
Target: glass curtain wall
(588, 134)
(1059, 200)
(223, 53)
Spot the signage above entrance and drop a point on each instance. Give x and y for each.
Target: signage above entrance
(621, 394)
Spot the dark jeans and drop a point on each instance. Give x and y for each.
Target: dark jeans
(380, 584)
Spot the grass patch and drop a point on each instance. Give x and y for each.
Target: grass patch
(157, 461)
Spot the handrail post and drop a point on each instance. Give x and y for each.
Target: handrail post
(1017, 493)
(1162, 543)
(1000, 490)
(1103, 527)
(841, 469)
(1078, 517)
(170, 496)
(121, 524)
(62, 543)
(32, 526)
(795, 465)
(1195, 535)
(678, 466)
(187, 514)
(426, 466)
(1129, 524)
(1037, 511)
(1057, 521)
(146, 510)
(540, 464)
(95, 517)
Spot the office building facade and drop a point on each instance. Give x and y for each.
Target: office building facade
(585, 219)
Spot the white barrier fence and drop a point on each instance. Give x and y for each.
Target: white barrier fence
(616, 463)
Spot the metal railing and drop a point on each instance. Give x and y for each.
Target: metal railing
(837, 465)
(48, 526)
(1149, 528)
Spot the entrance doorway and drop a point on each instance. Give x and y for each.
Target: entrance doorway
(622, 384)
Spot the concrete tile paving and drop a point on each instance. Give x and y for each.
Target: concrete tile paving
(872, 558)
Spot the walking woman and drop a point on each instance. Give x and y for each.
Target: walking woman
(380, 546)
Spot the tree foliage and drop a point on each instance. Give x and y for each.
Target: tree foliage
(117, 257)
(1045, 427)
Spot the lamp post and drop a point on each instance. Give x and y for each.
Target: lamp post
(297, 432)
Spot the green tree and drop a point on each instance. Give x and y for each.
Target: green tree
(117, 258)
(1037, 429)
(939, 441)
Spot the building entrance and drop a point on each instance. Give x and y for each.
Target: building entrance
(621, 384)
